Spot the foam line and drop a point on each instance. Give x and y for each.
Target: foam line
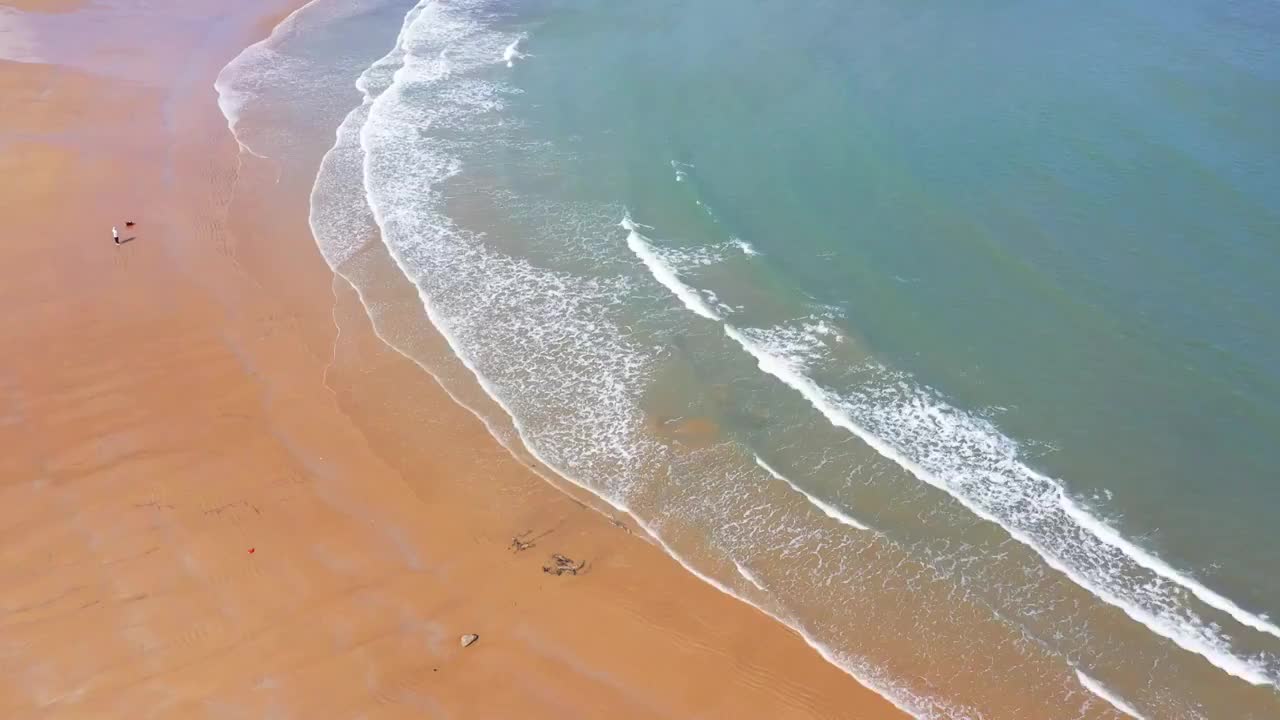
(1111, 698)
(229, 100)
(1200, 639)
(664, 273)
(1157, 611)
(1150, 561)
(1101, 531)
(512, 52)
(902, 698)
(747, 248)
(827, 509)
(749, 576)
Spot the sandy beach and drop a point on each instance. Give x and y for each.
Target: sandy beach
(212, 508)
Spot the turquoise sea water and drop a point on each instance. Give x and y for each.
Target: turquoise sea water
(943, 333)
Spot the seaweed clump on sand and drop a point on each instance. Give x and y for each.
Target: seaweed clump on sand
(561, 565)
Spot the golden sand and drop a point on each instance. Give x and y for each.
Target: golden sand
(210, 509)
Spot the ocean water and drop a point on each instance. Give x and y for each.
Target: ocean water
(943, 334)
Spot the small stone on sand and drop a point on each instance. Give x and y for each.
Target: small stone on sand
(468, 639)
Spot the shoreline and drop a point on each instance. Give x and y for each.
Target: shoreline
(228, 496)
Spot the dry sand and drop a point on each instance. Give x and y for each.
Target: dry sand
(209, 509)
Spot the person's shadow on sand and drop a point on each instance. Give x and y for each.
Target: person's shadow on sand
(127, 240)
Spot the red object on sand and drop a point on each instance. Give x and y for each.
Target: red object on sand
(251, 551)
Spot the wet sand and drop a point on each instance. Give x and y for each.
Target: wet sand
(222, 496)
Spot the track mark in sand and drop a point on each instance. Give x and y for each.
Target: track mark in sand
(233, 505)
(527, 540)
(202, 633)
(36, 605)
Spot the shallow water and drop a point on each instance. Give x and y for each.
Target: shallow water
(942, 334)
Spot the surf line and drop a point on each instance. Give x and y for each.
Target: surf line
(827, 509)
(1198, 638)
(1111, 698)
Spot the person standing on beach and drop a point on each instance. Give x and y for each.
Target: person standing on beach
(115, 234)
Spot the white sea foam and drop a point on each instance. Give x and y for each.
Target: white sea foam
(340, 223)
(1112, 699)
(569, 389)
(262, 64)
(664, 273)
(1150, 561)
(628, 224)
(337, 220)
(560, 413)
(904, 698)
(746, 247)
(512, 53)
(966, 458)
(240, 80)
(827, 509)
(690, 259)
(969, 459)
(749, 576)
(457, 274)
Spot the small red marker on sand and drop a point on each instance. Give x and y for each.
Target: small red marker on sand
(251, 550)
